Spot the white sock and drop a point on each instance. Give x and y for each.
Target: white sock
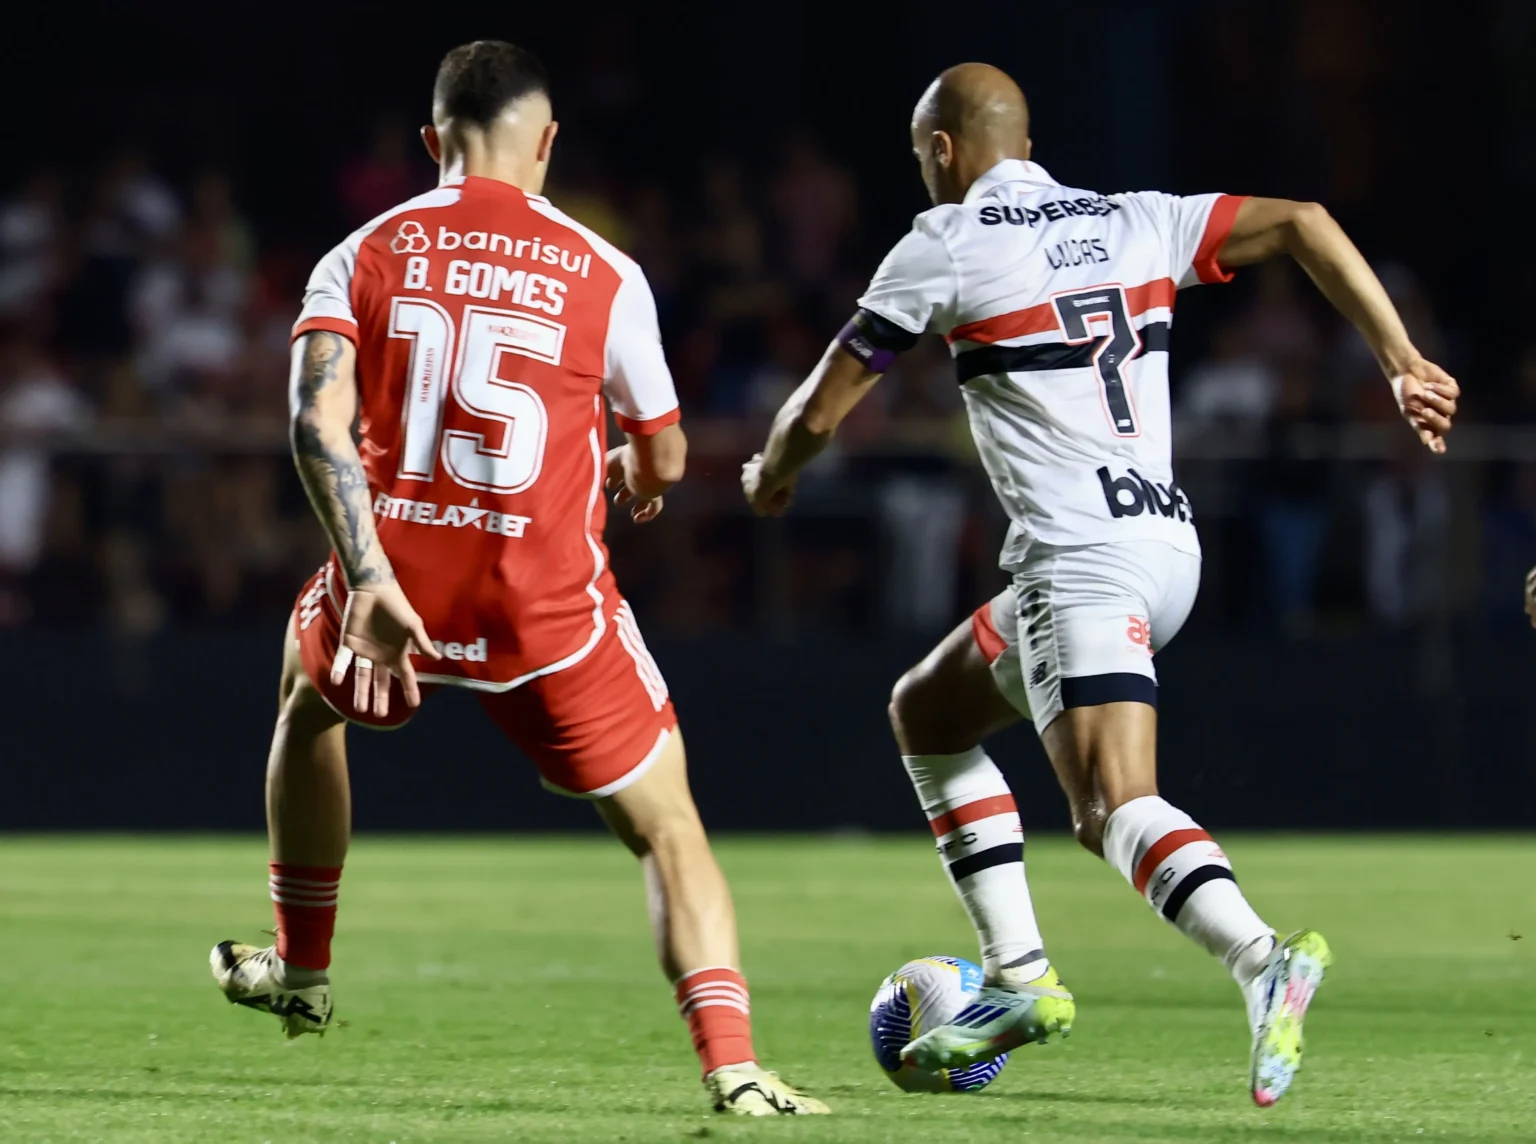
(1184, 875)
(981, 842)
(297, 977)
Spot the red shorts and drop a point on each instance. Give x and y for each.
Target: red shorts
(592, 728)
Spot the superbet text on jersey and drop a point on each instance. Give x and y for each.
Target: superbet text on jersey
(1057, 305)
(489, 329)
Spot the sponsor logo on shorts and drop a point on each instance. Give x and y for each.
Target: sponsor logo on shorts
(476, 652)
(1133, 494)
(1139, 632)
(471, 515)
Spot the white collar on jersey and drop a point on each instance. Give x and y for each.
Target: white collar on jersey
(1009, 171)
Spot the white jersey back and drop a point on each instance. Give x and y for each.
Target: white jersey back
(1057, 305)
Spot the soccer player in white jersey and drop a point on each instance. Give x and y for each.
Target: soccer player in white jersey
(1057, 304)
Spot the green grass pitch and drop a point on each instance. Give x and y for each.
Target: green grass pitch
(504, 990)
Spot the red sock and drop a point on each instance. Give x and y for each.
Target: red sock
(304, 900)
(714, 1002)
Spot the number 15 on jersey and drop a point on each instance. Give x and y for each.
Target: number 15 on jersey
(507, 461)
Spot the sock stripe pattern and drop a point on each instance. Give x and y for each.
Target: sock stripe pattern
(1162, 849)
(1167, 858)
(1192, 882)
(1182, 873)
(304, 901)
(980, 840)
(978, 835)
(718, 1009)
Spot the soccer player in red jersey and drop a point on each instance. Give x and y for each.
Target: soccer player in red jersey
(473, 333)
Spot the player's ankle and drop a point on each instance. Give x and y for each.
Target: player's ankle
(300, 977)
(748, 1064)
(1020, 971)
(1250, 959)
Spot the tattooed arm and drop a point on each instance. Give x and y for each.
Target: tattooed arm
(380, 630)
(323, 404)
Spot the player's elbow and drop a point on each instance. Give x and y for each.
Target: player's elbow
(820, 415)
(1305, 222)
(818, 422)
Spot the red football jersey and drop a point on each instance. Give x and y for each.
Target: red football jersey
(489, 328)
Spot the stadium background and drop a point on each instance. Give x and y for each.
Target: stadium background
(167, 187)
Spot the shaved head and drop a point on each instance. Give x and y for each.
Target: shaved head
(970, 119)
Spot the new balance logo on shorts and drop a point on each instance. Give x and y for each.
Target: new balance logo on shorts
(1133, 494)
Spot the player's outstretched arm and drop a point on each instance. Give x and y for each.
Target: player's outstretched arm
(1264, 228)
(802, 428)
(380, 629)
(644, 468)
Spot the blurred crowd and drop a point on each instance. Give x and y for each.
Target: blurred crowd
(144, 478)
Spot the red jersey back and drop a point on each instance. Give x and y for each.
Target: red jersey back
(489, 328)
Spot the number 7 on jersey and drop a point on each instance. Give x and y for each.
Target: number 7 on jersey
(1100, 314)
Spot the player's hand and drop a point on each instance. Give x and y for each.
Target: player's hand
(768, 497)
(1530, 595)
(1427, 395)
(380, 631)
(617, 483)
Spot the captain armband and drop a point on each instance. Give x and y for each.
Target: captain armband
(874, 340)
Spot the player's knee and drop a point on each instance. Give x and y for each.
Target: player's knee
(674, 835)
(909, 710)
(302, 708)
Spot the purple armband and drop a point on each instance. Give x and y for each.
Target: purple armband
(874, 340)
(853, 339)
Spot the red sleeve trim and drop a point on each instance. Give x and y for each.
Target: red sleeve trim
(1217, 228)
(340, 326)
(651, 425)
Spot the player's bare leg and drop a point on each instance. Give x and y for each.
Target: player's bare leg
(694, 923)
(940, 711)
(309, 819)
(1105, 759)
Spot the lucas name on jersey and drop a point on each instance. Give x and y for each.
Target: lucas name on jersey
(471, 515)
(1076, 252)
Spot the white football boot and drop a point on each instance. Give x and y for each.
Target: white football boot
(253, 977)
(997, 1020)
(748, 1090)
(1277, 998)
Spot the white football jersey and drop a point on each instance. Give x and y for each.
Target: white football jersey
(1056, 304)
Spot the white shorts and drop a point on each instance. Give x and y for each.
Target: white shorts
(1090, 616)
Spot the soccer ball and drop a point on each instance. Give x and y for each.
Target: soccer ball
(923, 995)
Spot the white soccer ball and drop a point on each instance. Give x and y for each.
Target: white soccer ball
(922, 995)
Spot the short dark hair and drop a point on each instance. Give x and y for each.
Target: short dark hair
(476, 82)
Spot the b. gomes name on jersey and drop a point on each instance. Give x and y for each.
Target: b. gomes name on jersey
(1133, 494)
